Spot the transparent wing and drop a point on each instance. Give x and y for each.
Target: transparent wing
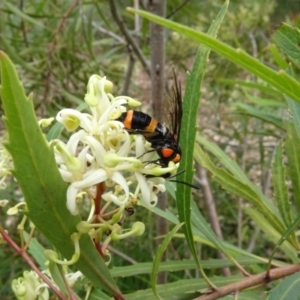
(173, 107)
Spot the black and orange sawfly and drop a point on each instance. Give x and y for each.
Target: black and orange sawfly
(163, 140)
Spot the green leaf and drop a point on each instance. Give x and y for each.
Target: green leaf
(290, 230)
(251, 85)
(265, 102)
(280, 187)
(11, 51)
(292, 146)
(163, 246)
(224, 159)
(279, 80)
(25, 17)
(40, 180)
(288, 289)
(97, 294)
(187, 287)
(295, 111)
(181, 265)
(73, 99)
(57, 277)
(54, 132)
(293, 106)
(233, 168)
(251, 111)
(272, 235)
(201, 238)
(242, 188)
(37, 251)
(278, 58)
(188, 133)
(287, 39)
(200, 223)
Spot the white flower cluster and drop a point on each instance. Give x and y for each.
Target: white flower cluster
(29, 287)
(101, 151)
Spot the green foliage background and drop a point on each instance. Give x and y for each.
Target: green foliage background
(55, 56)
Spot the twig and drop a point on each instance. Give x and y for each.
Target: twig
(29, 261)
(157, 50)
(107, 32)
(61, 25)
(67, 285)
(121, 254)
(135, 48)
(23, 27)
(251, 281)
(211, 209)
(128, 73)
(240, 200)
(137, 19)
(177, 9)
(53, 44)
(209, 201)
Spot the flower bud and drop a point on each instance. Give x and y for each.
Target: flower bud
(45, 122)
(83, 227)
(132, 102)
(138, 228)
(3, 202)
(111, 160)
(108, 86)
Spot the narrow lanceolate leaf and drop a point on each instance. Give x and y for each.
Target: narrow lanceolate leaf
(292, 146)
(271, 234)
(287, 39)
(239, 175)
(294, 106)
(162, 248)
(40, 180)
(277, 79)
(190, 288)
(280, 61)
(258, 113)
(200, 223)
(188, 133)
(252, 85)
(224, 159)
(262, 102)
(244, 190)
(280, 187)
(183, 265)
(287, 289)
(294, 255)
(202, 234)
(25, 17)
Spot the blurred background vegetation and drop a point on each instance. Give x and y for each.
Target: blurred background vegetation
(58, 45)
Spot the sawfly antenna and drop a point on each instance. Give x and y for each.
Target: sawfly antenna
(183, 182)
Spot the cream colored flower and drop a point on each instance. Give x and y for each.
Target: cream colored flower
(102, 151)
(30, 287)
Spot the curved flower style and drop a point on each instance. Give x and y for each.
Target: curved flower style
(101, 151)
